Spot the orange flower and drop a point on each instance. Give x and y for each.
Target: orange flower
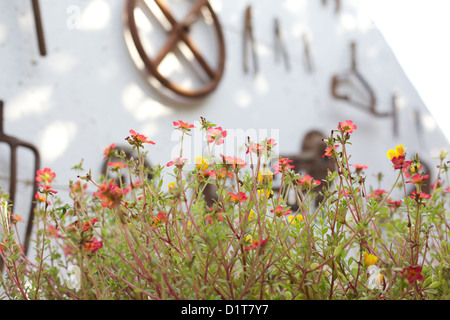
(329, 151)
(93, 245)
(237, 197)
(257, 244)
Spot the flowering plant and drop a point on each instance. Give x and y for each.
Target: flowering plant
(140, 240)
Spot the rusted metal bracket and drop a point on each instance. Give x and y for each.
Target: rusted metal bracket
(357, 81)
(14, 144)
(39, 27)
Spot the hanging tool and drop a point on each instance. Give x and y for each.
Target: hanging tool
(357, 81)
(280, 47)
(39, 27)
(337, 3)
(249, 40)
(307, 55)
(14, 144)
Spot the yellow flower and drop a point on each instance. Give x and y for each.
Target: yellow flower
(171, 187)
(298, 218)
(248, 238)
(265, 176)
(268, 193)
(201, 163)
(251, 214)
(370, 259)
(399, 151)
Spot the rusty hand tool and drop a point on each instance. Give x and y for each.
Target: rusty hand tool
(307, 58)
(280, 47)
(14, 144)
(249, 40)
(39, 27)
(337, 3)
(350, 77)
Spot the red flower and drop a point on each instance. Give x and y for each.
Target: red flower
(419, 196)
(109, 151)
(45, 175)
(412, 273)
(329, 151)
(47, 189)
(400, 162)
(237, 197)
(418, 179)
(137, 139)
(283, 165)
(308, 181)
(216, 135)
(179, 162)
(348, 126)
(377, 194)
(257, 244)
(110, 194)
(93, 245)
(184, 126)
(281, 211)
(87, 225)
(160, 218)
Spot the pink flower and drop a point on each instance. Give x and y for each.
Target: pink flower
(184, 126)
(235, 162)
(45, 175)
(348, 126)
(117, 165)
(447, 190)
(283, 165)
(110, 194)
(179, 162)
(359, 167)
(137, 139)
(308, 181)
(109, 151)
(329, 151)
(216, 135)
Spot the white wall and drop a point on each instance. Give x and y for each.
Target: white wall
(87, 93)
